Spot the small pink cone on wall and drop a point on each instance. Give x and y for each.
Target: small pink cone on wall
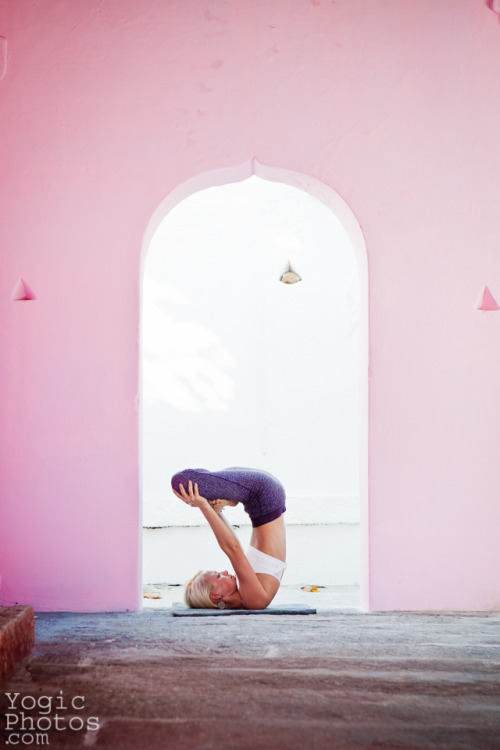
(22, 292)
(486, 301)
(494, 5)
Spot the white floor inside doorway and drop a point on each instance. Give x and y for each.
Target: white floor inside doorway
(326, 598)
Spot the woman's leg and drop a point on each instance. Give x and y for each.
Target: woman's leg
(212, 485)
(261, 494)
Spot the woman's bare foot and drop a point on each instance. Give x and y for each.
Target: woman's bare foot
(220, 503)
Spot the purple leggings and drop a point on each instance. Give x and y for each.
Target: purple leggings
(261, 494)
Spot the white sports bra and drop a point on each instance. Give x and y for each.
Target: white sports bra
(262, 563)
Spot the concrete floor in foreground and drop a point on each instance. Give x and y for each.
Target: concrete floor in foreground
(338, 679)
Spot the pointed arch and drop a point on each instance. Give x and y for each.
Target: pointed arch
(330, 198)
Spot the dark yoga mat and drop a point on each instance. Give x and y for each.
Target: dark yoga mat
(180, 610)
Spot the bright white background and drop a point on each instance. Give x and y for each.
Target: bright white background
(240, 369)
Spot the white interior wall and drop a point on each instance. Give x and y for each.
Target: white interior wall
(240, 369)
(325, 554)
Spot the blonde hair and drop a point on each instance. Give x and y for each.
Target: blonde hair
(197, 592)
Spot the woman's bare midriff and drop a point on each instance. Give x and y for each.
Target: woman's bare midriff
(271, 538)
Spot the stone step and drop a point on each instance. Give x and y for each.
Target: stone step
(17, 636)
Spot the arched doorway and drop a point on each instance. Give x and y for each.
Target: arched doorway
(239, 368)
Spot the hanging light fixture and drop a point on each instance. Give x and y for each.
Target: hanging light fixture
(290, 276)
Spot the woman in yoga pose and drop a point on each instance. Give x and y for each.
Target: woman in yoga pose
(259, 570)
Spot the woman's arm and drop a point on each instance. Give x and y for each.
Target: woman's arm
(227, 539)
(254, 594)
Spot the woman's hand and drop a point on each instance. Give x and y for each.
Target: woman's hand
(192, 496)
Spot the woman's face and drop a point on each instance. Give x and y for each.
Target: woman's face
(221, 584)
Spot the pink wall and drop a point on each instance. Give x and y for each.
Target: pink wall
(107, 107)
